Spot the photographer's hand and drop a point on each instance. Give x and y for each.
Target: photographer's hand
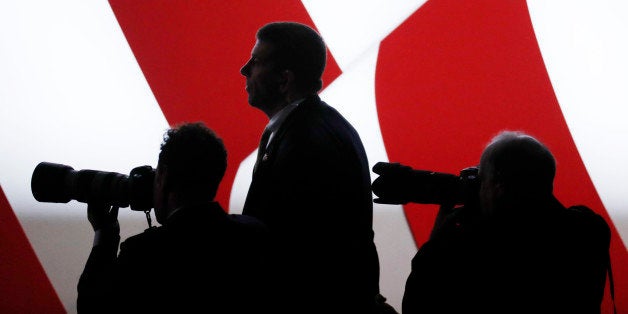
(103, 217)
(104, 221)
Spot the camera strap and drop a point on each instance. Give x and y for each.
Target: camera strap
(150, 224)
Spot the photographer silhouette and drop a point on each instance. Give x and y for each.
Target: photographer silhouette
(518, 251)
(200, 258)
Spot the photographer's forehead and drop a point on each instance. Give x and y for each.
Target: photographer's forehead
(262, 51)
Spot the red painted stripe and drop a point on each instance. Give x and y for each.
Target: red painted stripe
(24, 285)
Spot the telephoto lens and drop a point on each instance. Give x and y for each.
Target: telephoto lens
(57, 183)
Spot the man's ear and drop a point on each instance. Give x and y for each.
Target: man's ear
(162, 178)
(286, 81)
(501, 190)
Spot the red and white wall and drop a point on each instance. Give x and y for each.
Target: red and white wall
(94, 84)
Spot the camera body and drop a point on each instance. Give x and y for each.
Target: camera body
(57, 183)
(400, 184)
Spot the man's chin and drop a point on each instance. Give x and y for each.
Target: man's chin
(254, 103)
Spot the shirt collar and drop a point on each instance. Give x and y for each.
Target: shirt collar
(279, 117)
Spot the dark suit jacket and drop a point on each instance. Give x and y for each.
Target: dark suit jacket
(313, 190)
(201, 260)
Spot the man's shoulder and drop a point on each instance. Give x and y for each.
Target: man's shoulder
(584, 218)
(314, 109)
(248, 222)
(319, 120)
(143, 246)
(151, 234)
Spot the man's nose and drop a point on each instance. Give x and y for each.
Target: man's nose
(245, 69)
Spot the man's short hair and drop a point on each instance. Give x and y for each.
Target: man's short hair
(299, 48)
(196, 160)
(520, 162)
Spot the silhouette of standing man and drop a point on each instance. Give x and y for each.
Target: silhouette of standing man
(200, 259)
(311, 182)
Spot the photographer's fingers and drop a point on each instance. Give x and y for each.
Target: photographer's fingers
(102, 215)
(97, 214)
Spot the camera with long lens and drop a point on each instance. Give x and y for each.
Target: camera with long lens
(57, 183)
(401, 184)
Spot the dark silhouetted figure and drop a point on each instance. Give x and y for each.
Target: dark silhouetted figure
(200, 260)
(520, 251)
(311, 182)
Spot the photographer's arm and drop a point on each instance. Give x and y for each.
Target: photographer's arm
(104, 221)
(442, 220)
(96, 287)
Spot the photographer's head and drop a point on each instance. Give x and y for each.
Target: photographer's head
(286, 64)
(192, 162)
(515, 170)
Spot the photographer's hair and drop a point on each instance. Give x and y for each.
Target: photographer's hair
(299, 48)
(519, 162)
(196, 160)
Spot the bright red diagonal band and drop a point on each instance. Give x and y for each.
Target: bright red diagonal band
(25, 287)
